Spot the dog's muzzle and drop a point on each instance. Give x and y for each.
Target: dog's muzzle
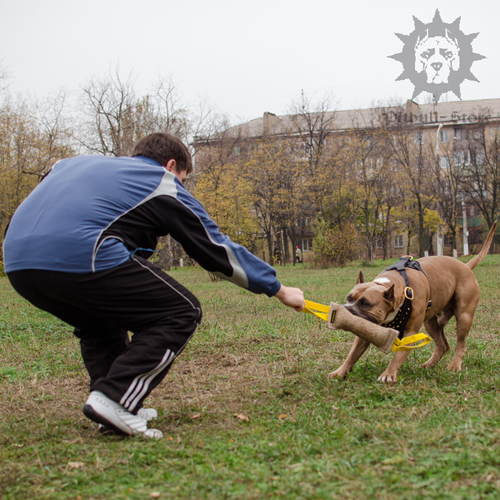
(355, 312)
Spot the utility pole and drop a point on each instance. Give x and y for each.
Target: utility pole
(439, 241)
(465, 231)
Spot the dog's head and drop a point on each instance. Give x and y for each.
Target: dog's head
(437, 56)
(373, 301)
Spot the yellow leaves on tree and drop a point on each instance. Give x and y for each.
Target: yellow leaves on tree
(31, 141)
(276, 171)
(228, 198)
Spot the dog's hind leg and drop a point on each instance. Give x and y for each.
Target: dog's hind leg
(357, 350)
(435, 329)
(466, 300)
(446, 314)
(464, 323)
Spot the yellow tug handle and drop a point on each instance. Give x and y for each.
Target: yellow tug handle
(321, 311)
(402, 345)
(313, 307)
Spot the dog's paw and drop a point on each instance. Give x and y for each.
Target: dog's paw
(430, 363)
(454, 367)
(338, 373)
(388, 378)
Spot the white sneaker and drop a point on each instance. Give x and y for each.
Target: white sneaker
(147, 414)
(112, 415)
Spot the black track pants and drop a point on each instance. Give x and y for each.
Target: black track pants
(135, 296)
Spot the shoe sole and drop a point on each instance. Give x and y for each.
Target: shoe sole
(106, 431)
(89, 412)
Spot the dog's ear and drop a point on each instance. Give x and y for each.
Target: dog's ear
(421, 39)
(361, 278)
(389, 295)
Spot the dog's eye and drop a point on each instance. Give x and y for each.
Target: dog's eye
(428, 54)
(447, 54)
(364, 303)
(349, 298)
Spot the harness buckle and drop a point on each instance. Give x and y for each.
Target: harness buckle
(408, 293)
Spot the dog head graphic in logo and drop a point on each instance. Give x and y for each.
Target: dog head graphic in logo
(437, 57)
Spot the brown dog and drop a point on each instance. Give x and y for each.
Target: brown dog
(445, 288)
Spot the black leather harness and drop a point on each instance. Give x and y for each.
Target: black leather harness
(404, 313)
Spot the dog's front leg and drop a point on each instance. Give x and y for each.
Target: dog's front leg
(357, 350)
(391, 373)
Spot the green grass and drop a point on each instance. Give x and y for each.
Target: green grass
(433, 435)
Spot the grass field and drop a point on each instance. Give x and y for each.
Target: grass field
(433, 435)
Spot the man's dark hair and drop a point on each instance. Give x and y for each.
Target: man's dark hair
(163, 147)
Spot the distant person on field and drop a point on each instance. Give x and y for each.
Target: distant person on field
(77, 247)
(277, 255)
(298, 254)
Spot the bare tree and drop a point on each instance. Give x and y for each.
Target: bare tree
(402, 139)
(207, 127)
(108, 105)
(481, 170)
(313, 122)
(55, 131)
(273, 172)
(370, 163)
(4, 78)
(115, 116)
(171, 114)
(446, 184)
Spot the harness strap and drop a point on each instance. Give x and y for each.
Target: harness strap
(402, 264)
(400, 321)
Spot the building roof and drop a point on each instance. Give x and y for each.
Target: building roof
(455, 112)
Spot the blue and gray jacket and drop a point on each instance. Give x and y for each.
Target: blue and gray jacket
(91, 212)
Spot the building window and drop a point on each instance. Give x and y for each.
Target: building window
(444, 162)
(419, 137)
(462, 157)
(378, 243)
(307, 245)
(237, 150)
(480, 158)
(458, 133)
(443, 136)
(448, 239)
(398, 241)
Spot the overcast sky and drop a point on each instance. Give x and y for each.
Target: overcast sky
(246, 57)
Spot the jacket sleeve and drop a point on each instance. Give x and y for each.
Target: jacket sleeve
(181, 215)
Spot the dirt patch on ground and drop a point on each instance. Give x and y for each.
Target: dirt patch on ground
(205, 384)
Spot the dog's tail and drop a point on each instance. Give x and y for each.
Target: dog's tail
(479, 257)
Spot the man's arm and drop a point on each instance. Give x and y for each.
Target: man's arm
(175, 211)
(172, 210)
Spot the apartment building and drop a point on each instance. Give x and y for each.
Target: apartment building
(458, 140)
